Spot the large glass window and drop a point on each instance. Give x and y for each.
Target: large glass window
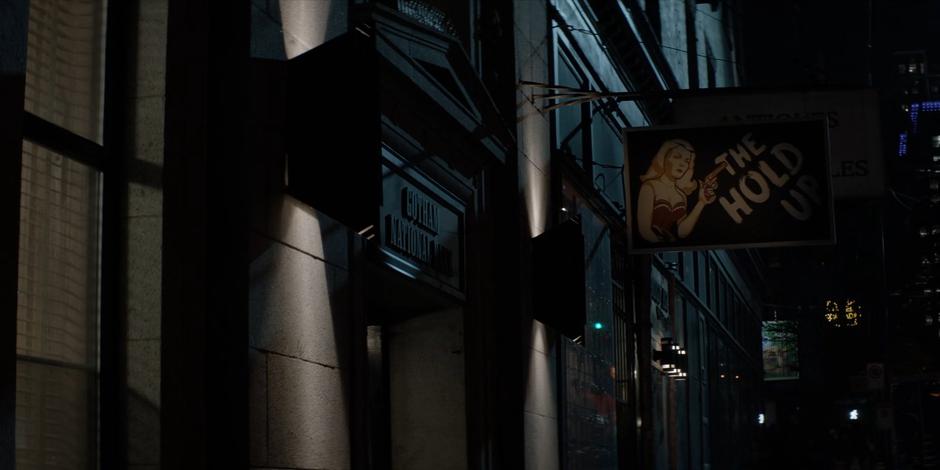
(701, 269)
(65, 64)
(688, 269)
(608, 158)
(57, 312)
(58, 288)
(586, 130)
(569, 129)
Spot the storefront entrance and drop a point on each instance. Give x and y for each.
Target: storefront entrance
(417, 377)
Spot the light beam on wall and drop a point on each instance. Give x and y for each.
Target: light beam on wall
(307, 24)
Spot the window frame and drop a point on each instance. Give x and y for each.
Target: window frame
(106, 415)
(565, 51)
(90, 368)
(563, 56)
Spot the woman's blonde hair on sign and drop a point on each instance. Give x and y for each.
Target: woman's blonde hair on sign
(658, 165)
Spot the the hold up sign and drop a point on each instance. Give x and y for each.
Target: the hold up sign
(728, 186)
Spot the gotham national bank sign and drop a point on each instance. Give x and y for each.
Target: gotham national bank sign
(728, 186)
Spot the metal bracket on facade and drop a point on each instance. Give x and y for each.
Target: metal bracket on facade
(568, 96)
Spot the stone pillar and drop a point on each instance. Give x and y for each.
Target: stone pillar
(204, 362)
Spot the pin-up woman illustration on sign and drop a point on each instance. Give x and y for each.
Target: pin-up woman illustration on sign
(662, 206)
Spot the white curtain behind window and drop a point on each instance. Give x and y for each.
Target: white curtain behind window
(57, 287)
(57, 310)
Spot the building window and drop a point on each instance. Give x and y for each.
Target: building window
(710, 75)
(58, 288)
(624, 343)
(608, 156)
(587, 131)
(651, 9)
(57, 312)
(711, 285)
(572, 130)
(65, 64)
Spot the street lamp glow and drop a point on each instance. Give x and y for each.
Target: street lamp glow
(853, 415)
(760, 418)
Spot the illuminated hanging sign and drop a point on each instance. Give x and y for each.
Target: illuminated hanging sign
(728, 186)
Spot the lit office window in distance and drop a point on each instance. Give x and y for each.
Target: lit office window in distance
(843, 314)
(57, 313)
(781, 349)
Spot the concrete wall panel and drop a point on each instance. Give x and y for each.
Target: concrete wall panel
(307, 415)
(427, 392)
(291, 309)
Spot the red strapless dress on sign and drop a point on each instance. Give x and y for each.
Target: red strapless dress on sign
(665, 218)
